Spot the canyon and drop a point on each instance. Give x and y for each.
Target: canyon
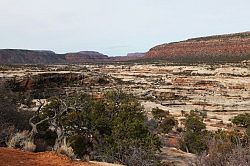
(211, 77)
(219, 91)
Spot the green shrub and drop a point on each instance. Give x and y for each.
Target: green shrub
(242, 119)
(81, 145)
(168, 124)
(158, 113)
(195, 136)
(128, 130)
(103, 129)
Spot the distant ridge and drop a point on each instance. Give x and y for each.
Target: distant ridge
(218, 48)
(85, 56)
(21, 56)
(212, 49)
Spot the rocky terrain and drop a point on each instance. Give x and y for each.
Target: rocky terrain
(220, 91)
(217, 91)
(212, 49)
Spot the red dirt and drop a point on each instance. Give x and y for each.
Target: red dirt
(14, 157)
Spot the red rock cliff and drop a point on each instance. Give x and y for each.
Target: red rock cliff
(232, 47)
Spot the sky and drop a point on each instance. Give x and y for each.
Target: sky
(115, 27)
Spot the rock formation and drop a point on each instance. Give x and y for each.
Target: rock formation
(220, 48)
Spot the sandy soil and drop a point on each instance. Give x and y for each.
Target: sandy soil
(13, 157)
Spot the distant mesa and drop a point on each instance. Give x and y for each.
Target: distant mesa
(211, 49)
(18, 56)
(85, 56)
(137, 54)
(129, 57)
(219, 48)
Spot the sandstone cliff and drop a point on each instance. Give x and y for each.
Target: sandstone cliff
(220, 48)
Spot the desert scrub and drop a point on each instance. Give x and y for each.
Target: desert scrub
(18, 140)
(29, 146)
(67, 151)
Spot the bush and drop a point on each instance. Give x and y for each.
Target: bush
(11, 119)
(82, 146)
(102, 81)
(138, 157)
(128, 129)
(194, 123)
(167, 124)
(158, 113)
(29, 146)
(102, 129)
(225, 148)
(193, 142)
(242, 119)
(67, 151)
(194, 138)
(18, 140)
(164, 122)
(223, 153)
(5, 133)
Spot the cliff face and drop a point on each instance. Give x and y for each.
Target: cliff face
(17, 56)
(226, 48)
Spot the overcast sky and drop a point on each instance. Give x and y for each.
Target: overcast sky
(115, 27)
